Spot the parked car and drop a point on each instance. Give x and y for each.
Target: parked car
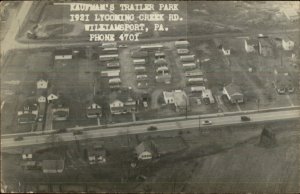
(206, 122)
(18, 138)
(152, 128)
(77, 132)
(245, 118)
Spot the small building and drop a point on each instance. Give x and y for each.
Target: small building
(27, 154)
(109, 45)
(264, 47)
(182, 44)
(53, 166)
(122, 102)
(189, 66)
(165, 78)
(110, 73)
(52, 97)
(160, 62)
(194, 73)
(140, 69)
(178, 98)
(63, 54)
(42, 84)
(287, 43)
(187, 58)
(109, 57)
(250, 45)
(60, 110)
(225, 49)
(196, 81)
(283, 81)
(112, 65)
(41, 99)
(207, 94)
(144, 151)
(162, 70)
(139, 54)
(96, 154)
(197, 88)
(183, 51)
(28, 112)
(113, 50)
(139, 61)
(151, 47)
(93, 110)
(142, 77)
(233, 93)
(159, 55)
(223, 46)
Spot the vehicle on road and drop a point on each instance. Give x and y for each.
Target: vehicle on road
(206, 122)
(77, 132)
(18, 138)
(123, 46)
(152, 128)
(245, 118)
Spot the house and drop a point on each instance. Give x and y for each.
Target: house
(52, 97)
(93, 110)
(207, 94)
(122, 102)
(27, 154)
(160, 62)
(178, 98)
(283, 81)
(250, 45)
(286, 43)
(60, 110)
(144, 151)
(156, 147)
(53, 166)
(264, 47)
(96, 154)
(162, 70)
(42, 84)
(28, 112)
(63, 54)
(41, 99)
(233, 93)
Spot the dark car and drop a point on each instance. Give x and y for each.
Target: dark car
(152, 128)
(18, 138)
(77, 132)
(245, 118)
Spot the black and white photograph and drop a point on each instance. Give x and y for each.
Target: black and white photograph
(141, 96)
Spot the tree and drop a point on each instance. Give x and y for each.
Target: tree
(267, 138)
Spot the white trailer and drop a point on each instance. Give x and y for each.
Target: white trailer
(139, 61)
(109, 57)
(183, 51)
(114, 81)
(140, 69)
(187, 58)
(109, 44)
(189, 66)
(110, 73)
(197, 88)
(151, 47)
(182, 44)
(194, 73)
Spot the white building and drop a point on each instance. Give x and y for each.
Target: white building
(42, 84)
(250, 45)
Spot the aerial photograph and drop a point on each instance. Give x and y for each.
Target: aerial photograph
(139, 96)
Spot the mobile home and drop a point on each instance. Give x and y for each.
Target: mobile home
(109, 57)
(189, 66)
(182, 44)
(187, 58)
(139, 61)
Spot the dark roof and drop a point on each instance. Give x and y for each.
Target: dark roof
(29, 104)
(233, 88)
(61, 103)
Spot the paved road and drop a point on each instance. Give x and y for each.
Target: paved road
(166, 126)
(9, 42)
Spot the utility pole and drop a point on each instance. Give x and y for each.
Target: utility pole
(258, 101)
(186, 108)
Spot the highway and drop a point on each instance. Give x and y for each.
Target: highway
(163, 126)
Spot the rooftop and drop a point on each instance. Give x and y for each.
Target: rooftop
(233, 88)
(53, 164)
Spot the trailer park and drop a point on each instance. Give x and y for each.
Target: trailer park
(112, 83)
